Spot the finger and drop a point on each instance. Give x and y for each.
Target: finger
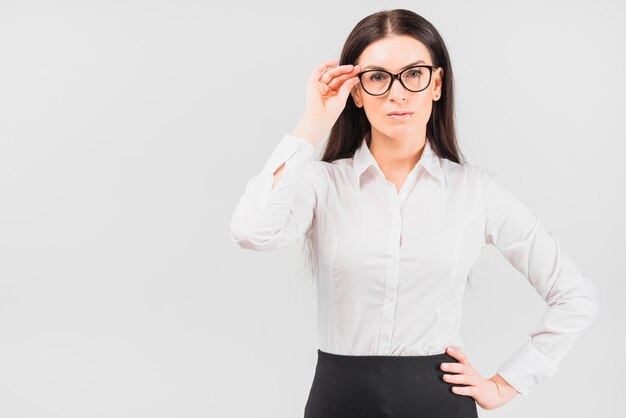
(336, 82)
(326, 91)
(340, 85)
(464, 390)
(458, 368)
(457, 354)
(462, 379)
(317, 71)
(453, 367)
(325, 88)
(347, 87)
(335, 72)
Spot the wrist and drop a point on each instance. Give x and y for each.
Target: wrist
(312, 128)
(505, 389)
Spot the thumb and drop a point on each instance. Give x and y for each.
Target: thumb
(346, 88)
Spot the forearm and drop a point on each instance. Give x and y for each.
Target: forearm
(311, 128)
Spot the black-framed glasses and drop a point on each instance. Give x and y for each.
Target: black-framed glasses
(414, 79)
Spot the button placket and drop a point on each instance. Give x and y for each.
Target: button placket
(392, 273)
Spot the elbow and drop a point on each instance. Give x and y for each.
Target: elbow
(592, 301)
(595, 305)
(588, 311)
(581, 302)
(587, 302)
(248, 232)
(251, 240)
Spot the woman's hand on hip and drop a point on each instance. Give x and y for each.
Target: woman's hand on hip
(488, 393)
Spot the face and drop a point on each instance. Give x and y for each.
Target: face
(394, 54)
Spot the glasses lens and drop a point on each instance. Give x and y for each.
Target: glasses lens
(416, 78)
(377, 82)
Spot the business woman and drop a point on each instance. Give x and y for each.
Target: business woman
(395, 220)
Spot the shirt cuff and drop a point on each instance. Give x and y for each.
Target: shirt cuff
(285, 149)
(527, 368)
(296, 153)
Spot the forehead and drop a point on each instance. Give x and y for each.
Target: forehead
(394, 52)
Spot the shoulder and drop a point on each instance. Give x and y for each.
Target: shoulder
(467, 176)
(499, 200)
(324, 173)
(319, 169)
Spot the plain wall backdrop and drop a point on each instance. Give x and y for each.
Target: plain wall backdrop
(128, 130)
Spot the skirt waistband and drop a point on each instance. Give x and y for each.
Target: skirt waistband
(385, 359)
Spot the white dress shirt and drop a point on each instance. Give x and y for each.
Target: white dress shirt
(391, 267)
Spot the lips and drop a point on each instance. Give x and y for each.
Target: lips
(400, 116)
(400, 113)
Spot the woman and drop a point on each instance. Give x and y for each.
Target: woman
(395, 222)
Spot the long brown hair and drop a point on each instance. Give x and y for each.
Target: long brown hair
(352, 125)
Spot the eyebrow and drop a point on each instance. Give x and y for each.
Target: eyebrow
(376, 67)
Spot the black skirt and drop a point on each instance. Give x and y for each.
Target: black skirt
(375, 386)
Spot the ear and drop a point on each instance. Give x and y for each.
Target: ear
(356, 95)
(437, 90)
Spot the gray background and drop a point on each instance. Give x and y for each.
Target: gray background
(129, 129)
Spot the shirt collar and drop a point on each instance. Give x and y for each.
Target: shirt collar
(363, 159)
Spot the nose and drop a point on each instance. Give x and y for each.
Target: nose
(397, 90)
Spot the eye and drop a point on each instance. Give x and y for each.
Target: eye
(377, 76)
(414, 73)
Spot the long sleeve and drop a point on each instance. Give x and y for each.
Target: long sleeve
(266, 218)
(515, 230)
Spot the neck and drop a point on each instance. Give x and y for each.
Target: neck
(396, 155)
